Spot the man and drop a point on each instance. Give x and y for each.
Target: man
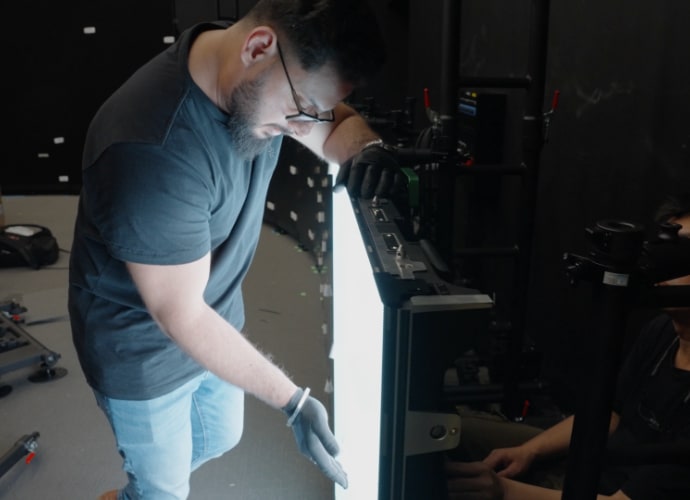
(175, 171)
(652, 406)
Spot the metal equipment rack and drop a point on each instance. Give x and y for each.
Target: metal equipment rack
(19, 349)
(535, 124)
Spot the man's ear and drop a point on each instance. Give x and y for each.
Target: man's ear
(259, 45)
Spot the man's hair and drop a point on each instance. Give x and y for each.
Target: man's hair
(674, 205)
(344, 33)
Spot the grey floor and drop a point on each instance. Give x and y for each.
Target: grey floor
(76, 458)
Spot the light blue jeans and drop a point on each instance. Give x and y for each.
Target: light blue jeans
(163, 440)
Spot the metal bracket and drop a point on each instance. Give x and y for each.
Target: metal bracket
(407, 267)
(431, 432)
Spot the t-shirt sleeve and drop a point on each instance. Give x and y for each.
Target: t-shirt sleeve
(147, 206)
(637, 362)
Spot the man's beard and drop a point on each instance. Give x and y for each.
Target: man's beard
(241, 106)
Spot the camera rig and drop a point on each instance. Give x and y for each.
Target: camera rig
(623, 269)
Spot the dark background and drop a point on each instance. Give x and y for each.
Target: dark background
(618, 141)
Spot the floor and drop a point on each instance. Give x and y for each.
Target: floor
(76, 458)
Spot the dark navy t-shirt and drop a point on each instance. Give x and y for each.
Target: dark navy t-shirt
(653, 401)
(161, 185)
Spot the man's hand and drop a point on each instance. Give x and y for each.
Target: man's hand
(510, 462)
(374, 171)
(309, 421)
(472, 481)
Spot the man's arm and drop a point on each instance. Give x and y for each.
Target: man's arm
(477, 480)
(515, 490)
(516, 460)
(174, 296)
(554, 441)
(341, 139)
(367, 166)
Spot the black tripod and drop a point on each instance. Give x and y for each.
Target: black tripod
(622, 268)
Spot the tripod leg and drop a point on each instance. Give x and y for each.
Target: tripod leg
(25, 445)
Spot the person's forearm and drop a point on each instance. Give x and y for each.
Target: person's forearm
(553, 441)
(219, 347)
(556, 439)
(338, 141)
(347, 138)
(515, 490)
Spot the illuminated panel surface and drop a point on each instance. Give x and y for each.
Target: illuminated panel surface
(357, 356)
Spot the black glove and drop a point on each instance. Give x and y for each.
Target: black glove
(374, 171)
(309, 421)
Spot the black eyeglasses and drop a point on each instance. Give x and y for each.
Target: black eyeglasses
(302, 115)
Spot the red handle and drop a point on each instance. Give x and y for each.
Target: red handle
(554, 101)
